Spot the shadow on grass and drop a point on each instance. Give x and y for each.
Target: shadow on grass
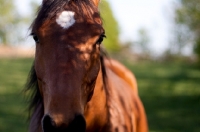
(173, 113)
(170, 94)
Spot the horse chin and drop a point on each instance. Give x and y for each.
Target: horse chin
(78, 124)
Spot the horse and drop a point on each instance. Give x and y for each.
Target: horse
(74, 86)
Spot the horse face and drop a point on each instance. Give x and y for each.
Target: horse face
(67, 65)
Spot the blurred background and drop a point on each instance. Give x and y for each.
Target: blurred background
(159, 40)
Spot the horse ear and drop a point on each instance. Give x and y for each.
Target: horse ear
(96, 2)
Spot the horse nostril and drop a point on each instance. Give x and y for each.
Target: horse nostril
(78, 124)
(48, 124)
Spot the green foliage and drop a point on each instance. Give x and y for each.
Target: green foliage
(8, 22)
(188, 14)
(197, 50)
(6, 19)
(13, 25)
(170, 93)
(143, 41)
(110, 24)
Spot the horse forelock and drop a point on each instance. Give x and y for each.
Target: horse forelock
(50, 8)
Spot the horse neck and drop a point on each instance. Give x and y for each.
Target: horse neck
(96, 112)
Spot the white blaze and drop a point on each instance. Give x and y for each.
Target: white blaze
(66, 19)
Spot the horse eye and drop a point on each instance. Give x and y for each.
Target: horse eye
(35, 37)
(100, 40)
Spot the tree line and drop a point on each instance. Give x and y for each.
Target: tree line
(187, 18)
(186, 21)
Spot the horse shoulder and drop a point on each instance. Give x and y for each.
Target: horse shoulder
(121, 106)
(126, 106)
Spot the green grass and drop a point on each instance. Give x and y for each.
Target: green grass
(170, 93)
(13, 114)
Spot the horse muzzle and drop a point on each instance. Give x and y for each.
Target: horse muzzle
(78, 124)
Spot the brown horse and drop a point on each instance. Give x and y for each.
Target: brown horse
(74, 87)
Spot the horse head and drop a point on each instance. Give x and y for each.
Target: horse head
(68, 34)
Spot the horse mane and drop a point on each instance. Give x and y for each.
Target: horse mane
(34, 99)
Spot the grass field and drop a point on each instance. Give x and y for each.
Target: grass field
(13, 74)
(170, 93)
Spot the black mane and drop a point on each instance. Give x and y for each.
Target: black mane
(32, 86)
